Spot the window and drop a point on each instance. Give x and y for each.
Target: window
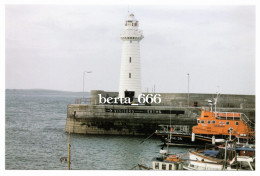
(129, 75)
(156, 166)
(170, 167)
(227, 123)
(130, 59)
(208, 121)
(198, 121)
(202, 121)
(237, 123)
(130, 41)
(163, 166)
(213, 122)
(221, 123)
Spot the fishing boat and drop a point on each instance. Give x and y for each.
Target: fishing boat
(167, 162)
(228, 157)
(244, 163)
(180, 135)
(212, 127)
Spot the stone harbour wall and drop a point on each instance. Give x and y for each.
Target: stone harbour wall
(131, 120)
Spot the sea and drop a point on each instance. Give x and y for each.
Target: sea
(35, 137)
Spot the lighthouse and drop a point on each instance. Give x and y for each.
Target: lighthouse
(130, 72)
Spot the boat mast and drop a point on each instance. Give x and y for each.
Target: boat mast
(215, 103)
(225, 159)
(210, 103)
(69, 151)
(230, 132)
(171, 129)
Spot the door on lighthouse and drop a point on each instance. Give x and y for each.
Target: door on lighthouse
(130, 94)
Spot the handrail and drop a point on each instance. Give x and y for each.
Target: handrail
(175, 128)
(247, 120)
(82, 100)
(242, 117)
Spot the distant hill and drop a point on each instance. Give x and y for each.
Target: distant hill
(44, 91)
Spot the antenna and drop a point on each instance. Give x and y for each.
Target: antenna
(215, 102)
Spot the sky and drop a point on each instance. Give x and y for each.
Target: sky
(50, 46)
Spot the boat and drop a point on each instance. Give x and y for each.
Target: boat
(212, 127)
(228, 157)
(167, 162)
(180, 135)
(244, 163)
(222, 125)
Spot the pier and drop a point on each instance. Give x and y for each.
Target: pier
(97, 118)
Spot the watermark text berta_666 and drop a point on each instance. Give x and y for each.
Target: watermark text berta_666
(142, 99)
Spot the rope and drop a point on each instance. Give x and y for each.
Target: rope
(147, 137)
(133, 167)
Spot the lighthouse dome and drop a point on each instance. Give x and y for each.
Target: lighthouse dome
(131, 17)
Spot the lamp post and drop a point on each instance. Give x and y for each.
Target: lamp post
(188, 90)
(84, 80)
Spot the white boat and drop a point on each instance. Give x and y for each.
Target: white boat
(167, 162)
(214, 160)
(241, 163)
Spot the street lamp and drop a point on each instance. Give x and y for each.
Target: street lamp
(85, 72)
(188, 90)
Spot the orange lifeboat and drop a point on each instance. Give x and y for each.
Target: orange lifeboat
(220, 123)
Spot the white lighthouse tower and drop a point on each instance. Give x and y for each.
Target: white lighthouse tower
(130, 74)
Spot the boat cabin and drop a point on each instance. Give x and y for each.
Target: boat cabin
(166, 165)
(220, 123)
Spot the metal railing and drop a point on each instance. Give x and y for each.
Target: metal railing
(242, 116)
(82, 101)
(247, 121)
(173, 128)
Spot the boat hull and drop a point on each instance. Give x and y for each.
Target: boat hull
(185, 139)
